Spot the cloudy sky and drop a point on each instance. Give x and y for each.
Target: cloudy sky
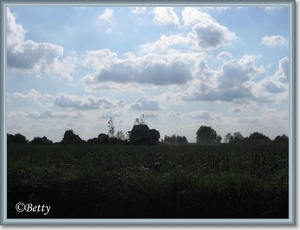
(182, 67)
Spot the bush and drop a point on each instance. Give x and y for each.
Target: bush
(41, 141)
(16, 139)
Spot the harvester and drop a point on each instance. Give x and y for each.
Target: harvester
(141, 134)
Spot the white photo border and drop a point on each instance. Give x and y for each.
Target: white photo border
(291, 221)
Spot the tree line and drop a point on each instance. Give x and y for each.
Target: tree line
(205, 135)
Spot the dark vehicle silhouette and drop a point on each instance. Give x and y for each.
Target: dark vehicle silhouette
(141, 134)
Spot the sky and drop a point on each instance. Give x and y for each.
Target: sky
(179, 67)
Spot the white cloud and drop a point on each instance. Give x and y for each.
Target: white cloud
(152, 114)
(199, 114)
(108, 31)
(78, 8)
(52, 114)
(32, 95)
(224, 56)
(106, 114)
(230, 83)
(138, 10)
(175, 114)
(99, 59)
(191, 16)
(250, 120)
(106, 21)
(202, 70)
(283, 73)
(180, 71)
(16, 114)
(164, 43)
(85, 103)
(274, 40)
(165, 16)
(65, 67)
(211, 36)
(91, 85)
(220, 8)
(272, 8)
(245, 108)
(173, 97)
(273, 87)
(204, 114)
(269, 110)
(151, 69)
(144, 103)
(106, 16)
(264, 122)
(269, 90)
(207, 33)
(31, 56)
(14, 127)
(247, 64)
(15, 33)
(235, 109)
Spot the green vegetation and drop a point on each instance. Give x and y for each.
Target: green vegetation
(160, 181)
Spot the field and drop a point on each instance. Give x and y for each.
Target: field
(155, 181)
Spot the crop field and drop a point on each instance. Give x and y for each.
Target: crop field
(154, 181)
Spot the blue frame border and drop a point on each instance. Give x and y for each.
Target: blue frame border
(291, 221)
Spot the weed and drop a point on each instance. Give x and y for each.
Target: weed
(100, 181)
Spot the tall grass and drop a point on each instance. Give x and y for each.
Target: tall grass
(103, 181)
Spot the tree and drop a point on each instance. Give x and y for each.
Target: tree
(207, 135)
(237, 138)
(71, 138)
(257, 138)
(103, 138)
(120, 135)
(16, 139)
(111, 127)
(94, 140)
(41, 141)
(281, 139)
(176, 139)
(228, 138)
(10, 138)
(68, 135)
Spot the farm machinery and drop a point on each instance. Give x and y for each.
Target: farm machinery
(141, 134)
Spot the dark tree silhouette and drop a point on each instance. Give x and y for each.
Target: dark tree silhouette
(10, 138)
(94, 140)
(71, 138)
(207, 136)
(41, 141)
(103, 138)
(68, 134)
(257, 135)
(175, 139)
(16, 139)
(237, 138)
(111, 127)
(283, 139)
(228, 138)
(257, 138)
